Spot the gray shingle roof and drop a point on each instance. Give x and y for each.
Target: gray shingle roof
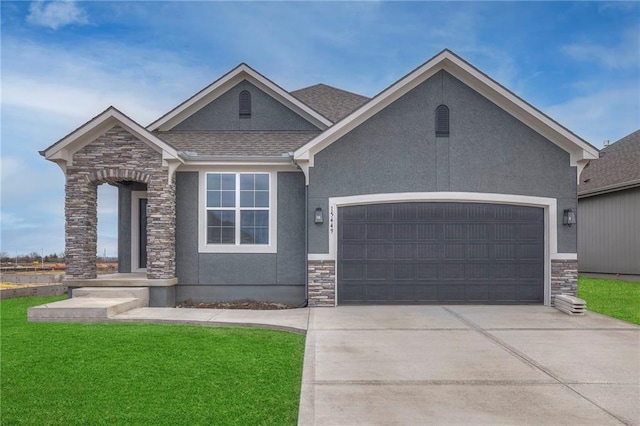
(617, 167)
(335, 104)
(237, 143)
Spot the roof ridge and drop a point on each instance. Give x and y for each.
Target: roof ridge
(330, 87)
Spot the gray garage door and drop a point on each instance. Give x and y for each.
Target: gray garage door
(440, 253)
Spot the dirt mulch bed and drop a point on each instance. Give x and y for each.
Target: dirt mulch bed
(239, 304)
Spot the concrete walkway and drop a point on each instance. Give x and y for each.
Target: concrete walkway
(420, 365)
(295, 320)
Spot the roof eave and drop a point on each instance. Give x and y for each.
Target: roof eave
(610, 188)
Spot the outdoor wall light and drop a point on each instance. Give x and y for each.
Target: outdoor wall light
(569, 217)
(318, 218)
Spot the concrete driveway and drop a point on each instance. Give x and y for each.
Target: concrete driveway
(418, 365)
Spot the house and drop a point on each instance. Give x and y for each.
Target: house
(443, 188)
(609, 204)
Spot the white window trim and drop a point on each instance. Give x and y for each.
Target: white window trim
(136, 196)
(203, 247)
(548, 204)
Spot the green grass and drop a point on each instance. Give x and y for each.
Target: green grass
(614, 298)
(144, 374)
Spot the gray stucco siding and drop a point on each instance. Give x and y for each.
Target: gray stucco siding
(214, 276)
(488, 150)
(266, 113)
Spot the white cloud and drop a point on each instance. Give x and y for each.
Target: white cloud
(56, 14)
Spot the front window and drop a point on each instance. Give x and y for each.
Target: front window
(238, 208)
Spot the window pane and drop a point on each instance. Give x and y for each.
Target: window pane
(228, 236)
(228, 199)
(246, 236)
(213, 235)
(229, 181)
(247, 218)
(261, 236)
(246, 182)
(221, 227)
(246, 199)
(228, 218)
(213, 198)
(213, 181)
(262, 218)
(262, 182)
(262, 199)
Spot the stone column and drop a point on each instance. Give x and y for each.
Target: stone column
(322, 279)
(564, 277)
(81, 223)
(161, 226)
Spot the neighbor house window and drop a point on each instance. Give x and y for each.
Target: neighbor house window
(238, 208)
(245, 104)
(442, 120)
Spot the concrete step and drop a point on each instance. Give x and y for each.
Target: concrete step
(91, 304)
(141, 293)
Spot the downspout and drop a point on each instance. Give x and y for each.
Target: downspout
(304, 303)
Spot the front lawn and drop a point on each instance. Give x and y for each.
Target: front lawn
(614, 298)
(144, 374)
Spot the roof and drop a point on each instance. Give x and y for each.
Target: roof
(580, 151)
(223, 84)
(333, 103)
(617, 168)
(237, 143)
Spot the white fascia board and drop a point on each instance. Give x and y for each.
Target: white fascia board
(225, 83)
(446, 60)
(64, 149)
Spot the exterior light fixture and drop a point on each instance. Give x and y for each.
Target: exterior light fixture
(569, 217)
(318, 218)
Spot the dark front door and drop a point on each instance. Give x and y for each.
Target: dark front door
(412, 253)
(142, 240)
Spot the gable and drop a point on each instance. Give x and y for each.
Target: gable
(487, 150)
(580, 151)
(223, 113)
(225, 83)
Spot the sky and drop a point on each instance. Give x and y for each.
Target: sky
(64, 62)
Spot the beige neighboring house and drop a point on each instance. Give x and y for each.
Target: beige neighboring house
(609, 210)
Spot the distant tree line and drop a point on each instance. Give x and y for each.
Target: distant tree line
(31, 257)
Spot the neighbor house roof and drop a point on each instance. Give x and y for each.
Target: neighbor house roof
(333, 103)
(617, 168)
(236, 143)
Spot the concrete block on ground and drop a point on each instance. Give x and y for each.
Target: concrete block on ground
(141, 293)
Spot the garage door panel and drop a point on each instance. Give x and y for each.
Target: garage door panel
(440, 253)
(405, 231)
(430, 231)
(378, 271)
(354, 251)
(354, 231)
(404, 271)
(379, 231)
(426, 271)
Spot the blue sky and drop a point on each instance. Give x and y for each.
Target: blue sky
(65, 62)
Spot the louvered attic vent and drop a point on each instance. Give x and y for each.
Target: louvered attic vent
(245, 104)
(442, 121)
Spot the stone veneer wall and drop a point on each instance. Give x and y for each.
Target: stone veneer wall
(115, 157)
(564, 277)
(322, 279)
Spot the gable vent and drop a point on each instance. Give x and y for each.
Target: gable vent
(442, 120)
(245, 104)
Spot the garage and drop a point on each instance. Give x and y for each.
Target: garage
(440, 252)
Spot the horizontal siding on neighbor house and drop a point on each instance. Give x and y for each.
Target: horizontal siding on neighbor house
(609, 233)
